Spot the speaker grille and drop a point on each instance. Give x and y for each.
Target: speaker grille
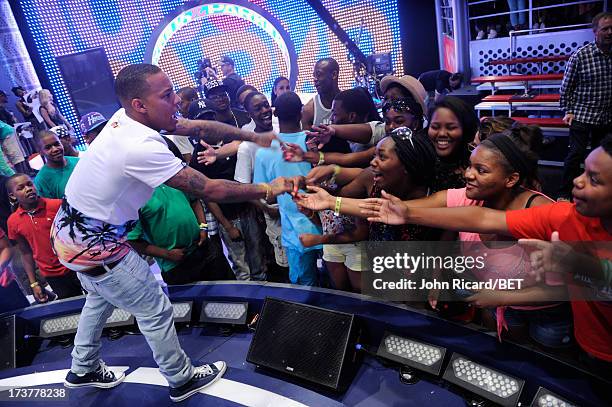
(304, 341)
(7, 343)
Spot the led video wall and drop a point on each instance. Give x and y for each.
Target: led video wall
(289, 36)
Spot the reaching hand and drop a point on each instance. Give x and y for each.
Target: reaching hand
(320, 174)
(547, 257)
(281, 185)
(207, 156)
(293, 153)
(317, 201)
(321, 134)
(310, 239)
(389, 209)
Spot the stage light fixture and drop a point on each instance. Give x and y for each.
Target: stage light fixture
(483, 381)
(234, 313)
(419, 355)
(67, 324)
(546, 398)
(182, 311)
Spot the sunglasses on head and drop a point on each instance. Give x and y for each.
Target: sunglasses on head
(398, 105)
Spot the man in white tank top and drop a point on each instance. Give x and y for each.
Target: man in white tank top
(318, 110)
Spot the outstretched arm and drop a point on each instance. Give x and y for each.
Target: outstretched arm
(214, 131)
(197, 185)
(473, 219)
(391, 210)
(359, 159)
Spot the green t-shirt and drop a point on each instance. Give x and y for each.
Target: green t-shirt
(167, 221)
(51, 182)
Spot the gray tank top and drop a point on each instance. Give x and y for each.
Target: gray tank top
(322, 115)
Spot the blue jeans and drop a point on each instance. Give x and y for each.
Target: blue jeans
(246, 255)
(302, 266)
(132, 287)
(517, 18)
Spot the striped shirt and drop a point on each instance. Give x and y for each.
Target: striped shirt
(586, 90)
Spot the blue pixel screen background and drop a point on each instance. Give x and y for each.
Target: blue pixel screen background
(124, 27)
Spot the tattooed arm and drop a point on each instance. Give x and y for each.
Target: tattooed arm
(197, 185)
(212, 131)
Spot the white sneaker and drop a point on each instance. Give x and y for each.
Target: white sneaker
(492, 34)
(480, 35)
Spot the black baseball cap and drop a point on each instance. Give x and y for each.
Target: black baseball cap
(214, 84)
(227, 60)
(199, 110)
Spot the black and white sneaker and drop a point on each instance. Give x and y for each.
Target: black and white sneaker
(102, 377)
(203, 377)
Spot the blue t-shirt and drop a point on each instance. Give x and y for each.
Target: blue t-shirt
(269, 164)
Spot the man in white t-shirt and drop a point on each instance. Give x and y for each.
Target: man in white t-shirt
(117, 177)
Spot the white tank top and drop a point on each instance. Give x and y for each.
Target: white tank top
(322, 115)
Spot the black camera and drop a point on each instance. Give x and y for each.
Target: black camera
(202, 65)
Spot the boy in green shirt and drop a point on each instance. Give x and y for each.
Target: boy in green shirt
(52, 178)
(171, 230)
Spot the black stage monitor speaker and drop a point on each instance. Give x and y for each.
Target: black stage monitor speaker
(306, 342)
(11, 335)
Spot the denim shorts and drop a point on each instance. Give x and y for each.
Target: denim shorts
(551, 327)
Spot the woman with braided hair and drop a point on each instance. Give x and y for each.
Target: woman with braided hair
(404, 163)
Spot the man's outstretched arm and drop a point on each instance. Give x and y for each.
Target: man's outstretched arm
(212, 131)
(197, 185)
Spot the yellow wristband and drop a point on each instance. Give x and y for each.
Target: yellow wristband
(203, 226)
(34, 284)
(337, 170)
(337, 206)
(321, 158)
